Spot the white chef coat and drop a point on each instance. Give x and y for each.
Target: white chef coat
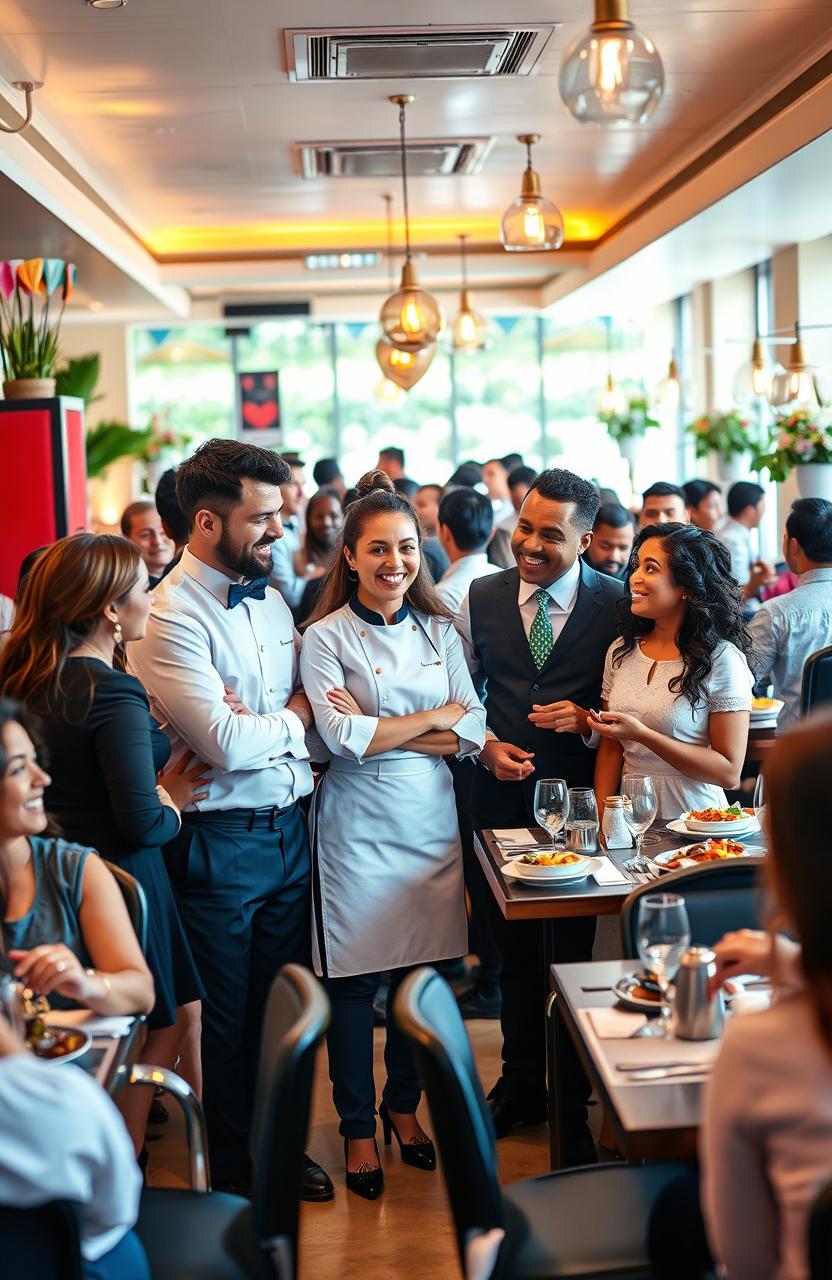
(62, 1138)
(194, 645)
(385, 836)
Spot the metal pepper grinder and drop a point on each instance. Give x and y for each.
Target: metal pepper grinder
(697, 1014)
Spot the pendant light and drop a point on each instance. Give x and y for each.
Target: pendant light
(796, 387)
(753, 379)
(613, 73)
(531, 221)
(470, 331)
(612, 399)
(669, 390)
(401, 370)
(410, 318)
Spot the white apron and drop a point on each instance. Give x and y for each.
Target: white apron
(387, 861)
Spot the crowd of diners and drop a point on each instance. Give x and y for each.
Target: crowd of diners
(285, 714)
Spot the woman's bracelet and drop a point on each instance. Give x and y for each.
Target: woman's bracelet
(94, 973)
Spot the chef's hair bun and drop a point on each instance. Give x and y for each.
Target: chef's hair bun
(372, 481)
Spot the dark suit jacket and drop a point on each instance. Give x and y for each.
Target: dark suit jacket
(572, 672)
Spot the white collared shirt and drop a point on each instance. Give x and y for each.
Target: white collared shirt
(193, 647)
(453, 586)
(284, 575)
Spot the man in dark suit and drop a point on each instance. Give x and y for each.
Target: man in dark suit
(539, 634)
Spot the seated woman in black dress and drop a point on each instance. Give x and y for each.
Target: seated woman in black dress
(84, 596)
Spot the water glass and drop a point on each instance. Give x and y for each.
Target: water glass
(760, 802)
(551, 805)
(640, 806)
(663, 938)
(582, 823)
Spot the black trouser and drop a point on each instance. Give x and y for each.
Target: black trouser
(525, 982)
(245, 905)
(350, 1046)
(481, 940)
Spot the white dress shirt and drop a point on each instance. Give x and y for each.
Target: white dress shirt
(455, 581)
(193, 647)
(738, 539)
(785, 631)
(284, 576)
(61, 1138)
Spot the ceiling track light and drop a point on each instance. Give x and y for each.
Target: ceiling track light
(470, 331)
(27, 87)
(612, 74)
(411, 318)
(531, 222)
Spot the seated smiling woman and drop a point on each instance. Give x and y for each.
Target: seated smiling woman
(65, 929)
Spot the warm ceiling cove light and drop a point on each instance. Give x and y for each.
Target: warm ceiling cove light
(531, 221)
(613, 73)
(470, 331)
(106, 4)
(410, 318)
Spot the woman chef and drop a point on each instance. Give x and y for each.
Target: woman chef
(385, 673)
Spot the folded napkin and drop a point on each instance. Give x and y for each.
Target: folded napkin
(615, 1024)
(608, 873)
(514, 835)
(115, 1025)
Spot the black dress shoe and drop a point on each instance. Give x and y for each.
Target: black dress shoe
(508, 1112)
(365, 1182)
(316, 1184)
(421, 1155)
(476, 1003)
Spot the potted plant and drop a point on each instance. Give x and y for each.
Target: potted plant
(726, 435)
(628, 428)
(28, 341)
(163, 446)
(803, 444)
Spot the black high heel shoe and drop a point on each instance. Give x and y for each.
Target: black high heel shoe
(368, 1183)
(421, 1155)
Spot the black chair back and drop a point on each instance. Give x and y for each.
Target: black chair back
(134, 900)
(296, 1018)
(720, 896)
(820, 1236)
(816, 689)
(43, 1242)
(427, 1012)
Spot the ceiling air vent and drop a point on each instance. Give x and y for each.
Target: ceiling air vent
(394, 53)
(425, 158)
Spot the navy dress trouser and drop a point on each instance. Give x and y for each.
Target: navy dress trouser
(245, 904)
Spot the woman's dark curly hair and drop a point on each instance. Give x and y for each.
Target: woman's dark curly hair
(701, 565)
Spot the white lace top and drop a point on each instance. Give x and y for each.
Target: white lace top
(626, 688)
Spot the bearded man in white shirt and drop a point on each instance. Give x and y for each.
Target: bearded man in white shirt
(220, 665)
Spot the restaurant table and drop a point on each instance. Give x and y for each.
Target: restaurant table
(517, 901)
(760, 742)
(108, 1055)
(652, 1120)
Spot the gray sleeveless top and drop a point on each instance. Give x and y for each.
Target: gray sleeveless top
(54, 915)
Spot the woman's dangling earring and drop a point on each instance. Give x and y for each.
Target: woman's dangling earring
(352, 574)
(117, 636)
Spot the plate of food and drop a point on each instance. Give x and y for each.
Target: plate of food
(638, 991)
(717, 822)
(57, 1044)
(696, 855)
(550, 868)
(765, 708)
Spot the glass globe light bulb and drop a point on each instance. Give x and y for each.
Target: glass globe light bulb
(411, 318)
(798, 386)
(388, 391)
(470, 330)
(612, 399)
(753, 379)
(613, 73)
(403, 368)
(530, 223)
(669, 390)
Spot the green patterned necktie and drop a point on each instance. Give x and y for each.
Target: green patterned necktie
(541, 637)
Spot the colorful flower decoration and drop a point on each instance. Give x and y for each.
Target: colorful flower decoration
(69, 281)
(53, 274)
(29, 274)
(801, 438)
(8, 277)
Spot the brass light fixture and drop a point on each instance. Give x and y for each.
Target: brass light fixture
(531, 221)
(613, 73)
(470, 331)
(797, 386)
(401, 370)
(410, 318)
(612, 399)
(26, 87)
(669, 390)
(753, 379)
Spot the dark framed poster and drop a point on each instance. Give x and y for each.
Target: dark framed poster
(258, 397)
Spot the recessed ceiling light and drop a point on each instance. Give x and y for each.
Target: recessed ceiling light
(106, 4)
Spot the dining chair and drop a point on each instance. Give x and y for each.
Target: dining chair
(719, 896)
(134, 899)
(816, 687)
(586, 1222)
(199, 1234)
(43, 1241)
(820, 1236)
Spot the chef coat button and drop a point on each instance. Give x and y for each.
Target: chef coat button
(362, 633)
(378, 671)
(413, 628)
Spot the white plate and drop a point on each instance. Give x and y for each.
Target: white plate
(623, 992)
(511, 870)
(669, 855)
(76, 1053)
(749, 829)
(767, 713)
(743, 826)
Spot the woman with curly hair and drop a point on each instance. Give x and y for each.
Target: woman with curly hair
(677, 687)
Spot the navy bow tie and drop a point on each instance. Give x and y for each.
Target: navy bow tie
(256, 590)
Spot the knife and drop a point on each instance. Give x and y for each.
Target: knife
(666, 1072)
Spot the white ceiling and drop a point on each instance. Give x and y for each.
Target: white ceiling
(183, 113)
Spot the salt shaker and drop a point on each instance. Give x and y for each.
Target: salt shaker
(698, 1014)
(616, 832)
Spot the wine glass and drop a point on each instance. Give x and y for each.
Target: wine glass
(663, 938)
(582, 823)
(640, 808)
(760, 802)
(551, 805)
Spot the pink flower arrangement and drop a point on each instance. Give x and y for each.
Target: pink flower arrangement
(802, 438)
